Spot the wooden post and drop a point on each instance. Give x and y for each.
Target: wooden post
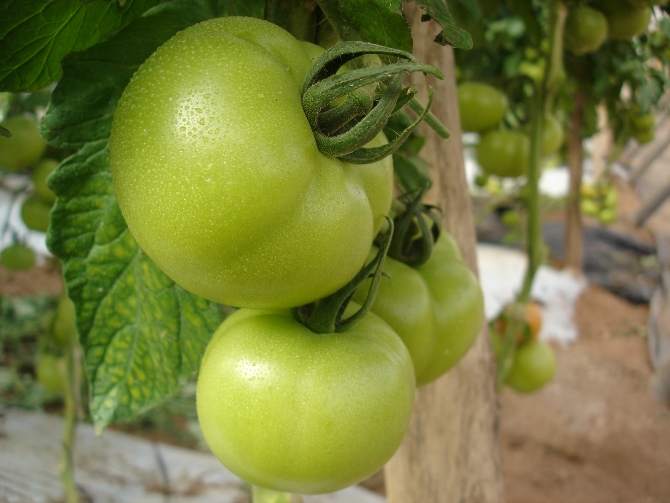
(451, 452)
(574, 230)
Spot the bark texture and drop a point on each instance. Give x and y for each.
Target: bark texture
(451, 452)
(574, 229)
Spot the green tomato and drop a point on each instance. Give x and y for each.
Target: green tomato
(589, 207)
(218, 176)
(534, 365)
(533, 70)
(553, 135)
(643, 137)
(64, 329)
(481, 180)
(291, 410)
(18, 257)
(643, 122)
(585, 30)
(39, 177)
(607, 216)
(481, 106)
(51, 373)
(504, 153)
(624, 20)
(24, 148)
(511, 218)
(437, 309)
(35, 213)
(611, 198)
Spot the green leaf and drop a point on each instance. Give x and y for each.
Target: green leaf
(35, 35)
(247, 8)
(450, 35)
(525, 10)
(411, 172)
(83, 103)
(142, 334)
(377, 21)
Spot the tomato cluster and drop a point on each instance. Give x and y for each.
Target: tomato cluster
(533, 363)
(599, 200)
(586, 28)
(218, 175)
(22, 151)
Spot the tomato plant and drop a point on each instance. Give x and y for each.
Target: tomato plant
(25, 146)
(35, 213)
(553, 135)
(585, 30)
(218, 176)
(534, 365)
(481, 106)
(504, 153)
(18, 257)
(291, 410)
(437, 308)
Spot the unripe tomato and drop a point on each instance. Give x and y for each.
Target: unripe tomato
(35, 213)
(643, 137)
(534, 365)
(218, 175)
(64, 329)
(504, 153)
(481, 106)
(39, 177)
(553, 135)
(607, 216)
(589, 207)
(587, 190)
(624, 20)
(644, 122)
(24, 148)
(611, 197)
(291, 410)
(18, 257)
(51, 372)
(585, 30)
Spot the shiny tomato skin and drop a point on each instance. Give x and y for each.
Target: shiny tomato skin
(437, 309)
(218, 176)
(291, 410)
(481, 106)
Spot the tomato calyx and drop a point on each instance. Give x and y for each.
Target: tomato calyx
(325, 315)
(417, 229)
(5, 132)
(373, 95)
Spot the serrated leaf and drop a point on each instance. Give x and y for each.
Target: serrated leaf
(377, 21)
(142, 334)
(450, 34)
(35, 35)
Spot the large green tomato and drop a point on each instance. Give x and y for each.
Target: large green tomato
(18, 257)
(437, 309)
(534, 365)
(218, 176)
(585, 30)
(504, 153)
(24, 148)
(480, 105)
(291, 410)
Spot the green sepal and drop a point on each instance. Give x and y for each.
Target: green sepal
(325, 316)
(374, 154)
(5, 132)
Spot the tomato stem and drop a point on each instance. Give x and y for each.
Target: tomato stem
(373, 94)
(325, 316)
